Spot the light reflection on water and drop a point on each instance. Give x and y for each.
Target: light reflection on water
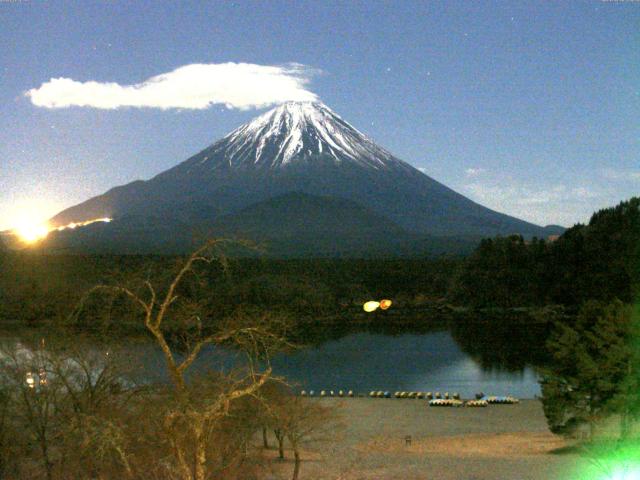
(363, 362)
(429, 362)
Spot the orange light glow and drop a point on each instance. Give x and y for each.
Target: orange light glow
(384, 304)
(31, 231)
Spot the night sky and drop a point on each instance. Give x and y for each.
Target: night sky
(531, 108)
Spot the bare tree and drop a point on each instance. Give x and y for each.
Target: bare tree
(308, 422)
(78, 413)
(58, 400)
(196, 412)
(94, 406)
(5, 429)
(35, 400)
(299, 420)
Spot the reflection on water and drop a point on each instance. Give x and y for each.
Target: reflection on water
(366, 361)
(510, 343)
(464, 357)
(428, 362)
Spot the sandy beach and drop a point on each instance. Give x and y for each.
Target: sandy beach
(496, 442)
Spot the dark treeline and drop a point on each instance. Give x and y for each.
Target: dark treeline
(36, 289)
(598, 261)
(322, 297)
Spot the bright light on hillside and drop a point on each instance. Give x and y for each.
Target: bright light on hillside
(31, 230)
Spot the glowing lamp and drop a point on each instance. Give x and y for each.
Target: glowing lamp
(31, 381)
(42, 375)
(384, 304)
(371, 306)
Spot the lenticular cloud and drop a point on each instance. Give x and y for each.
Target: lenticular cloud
(196, 86)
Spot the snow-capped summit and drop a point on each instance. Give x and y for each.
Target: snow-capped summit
(298, 131)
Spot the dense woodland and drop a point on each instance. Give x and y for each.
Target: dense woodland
(598, 261)
(37, 289)
(585, 285)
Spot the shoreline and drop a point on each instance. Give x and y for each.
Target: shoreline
(498, 441)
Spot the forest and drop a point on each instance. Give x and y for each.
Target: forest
(597, 261)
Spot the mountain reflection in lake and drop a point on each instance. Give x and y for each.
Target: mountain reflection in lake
(427, 362)
(369, 361)
(464, 357)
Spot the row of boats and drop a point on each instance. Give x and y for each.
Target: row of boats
(478, 402)
(436, 399)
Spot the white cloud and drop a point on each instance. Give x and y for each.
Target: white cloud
(473, 172)
(621, 175)
(423, 169)
(583, 193)
(554, 204)
(196, 86)
(513, 194)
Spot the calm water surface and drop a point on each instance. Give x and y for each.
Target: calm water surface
(428, 362)
(364, 361)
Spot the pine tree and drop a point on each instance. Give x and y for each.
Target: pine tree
(593, 371)
(626, 402)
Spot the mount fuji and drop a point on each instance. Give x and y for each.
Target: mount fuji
(298, 176)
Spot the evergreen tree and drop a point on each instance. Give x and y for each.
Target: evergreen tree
(592, 372)
(598, 261)
(626, 403)
(502, 272)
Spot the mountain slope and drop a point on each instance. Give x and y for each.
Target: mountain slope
(297, 147)
(298, 224)
(292, 225)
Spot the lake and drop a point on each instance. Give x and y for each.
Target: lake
(427, 361)
(370, 361)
